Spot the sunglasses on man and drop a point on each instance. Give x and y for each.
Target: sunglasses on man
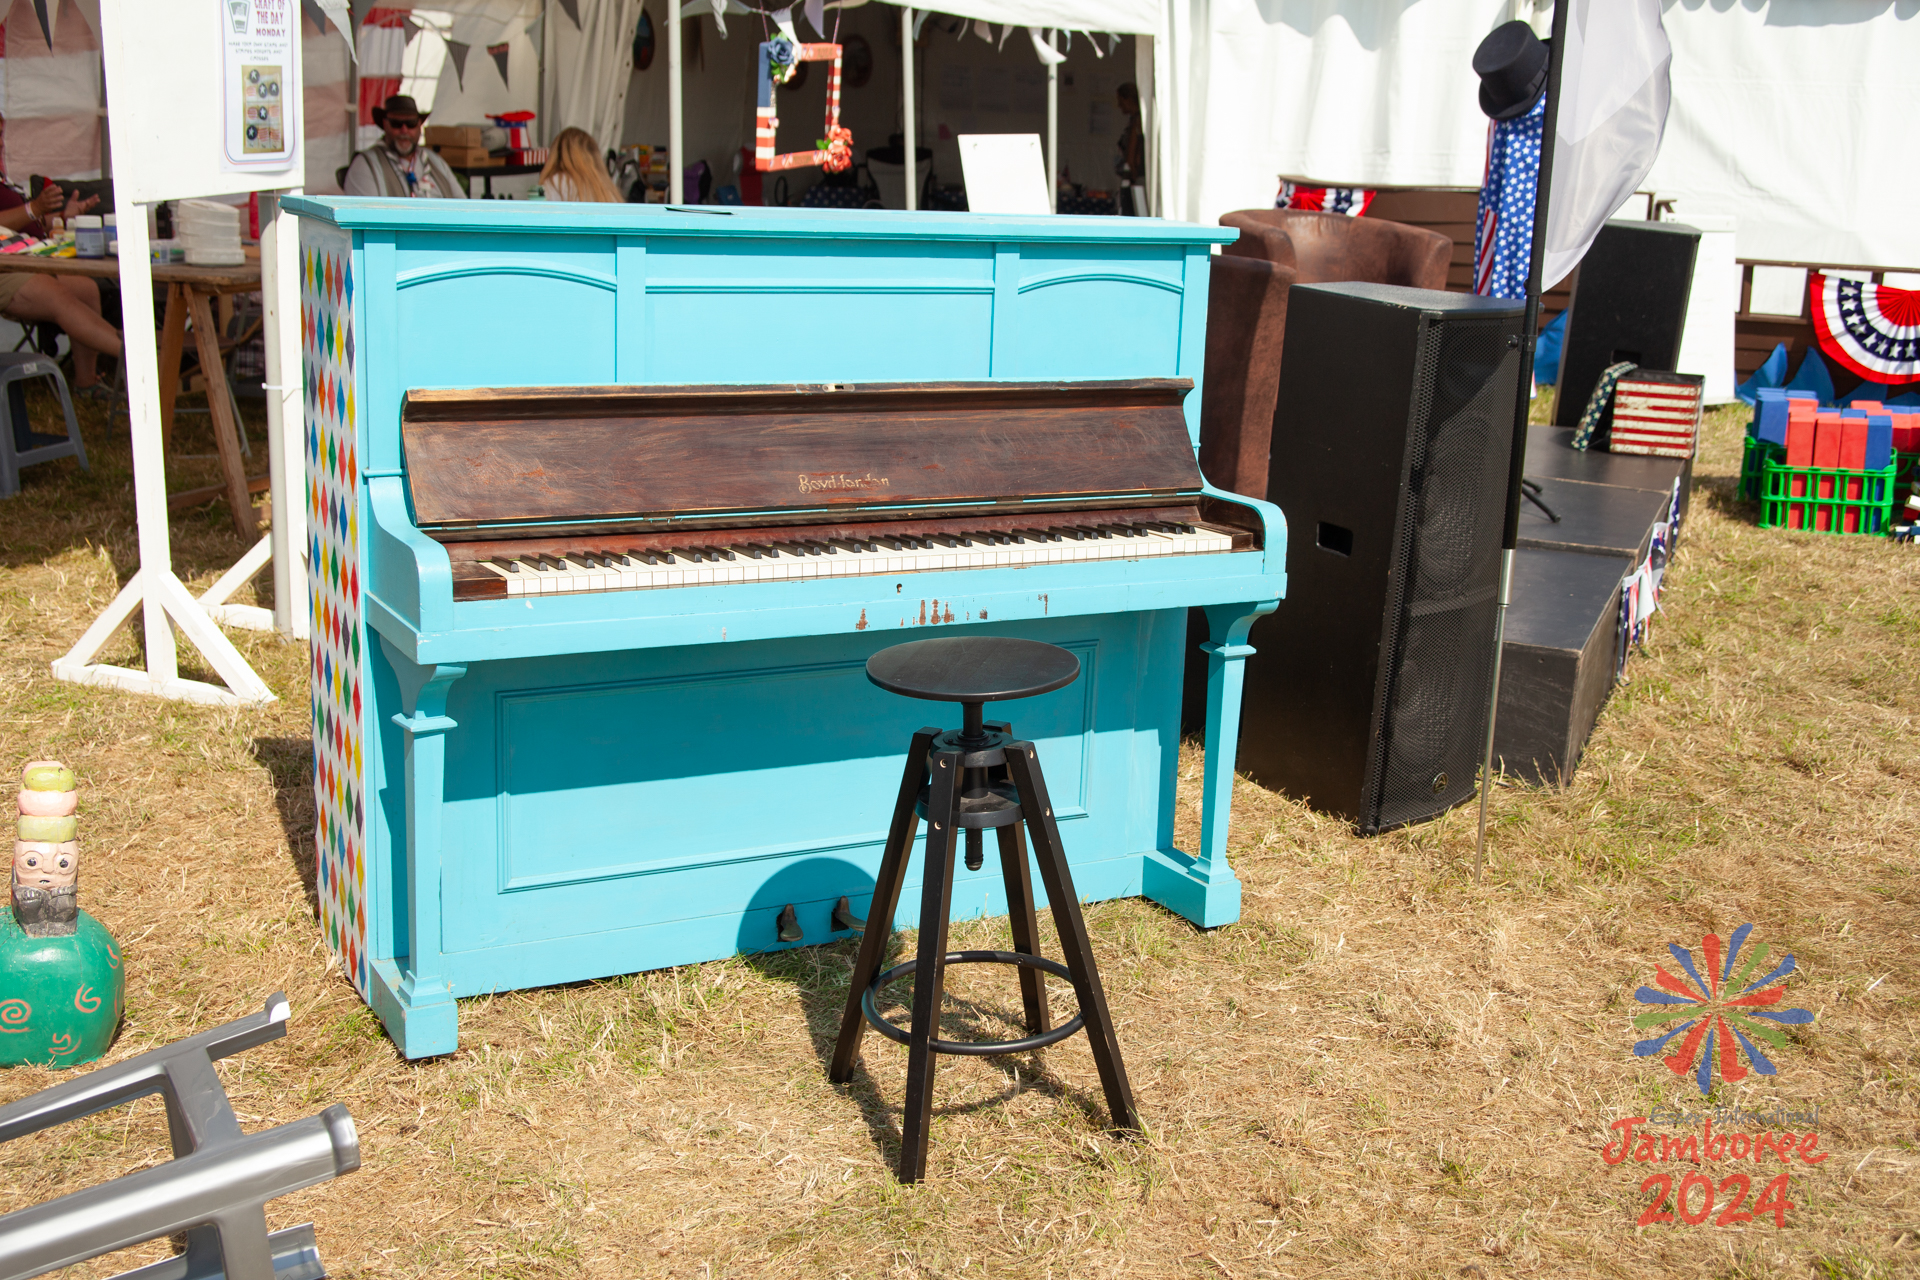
(402, 124)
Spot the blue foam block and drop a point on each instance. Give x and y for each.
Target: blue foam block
(1879, 441)
(1770, 417)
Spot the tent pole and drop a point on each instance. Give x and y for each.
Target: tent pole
(1053, 126)
(1523, 400)
(542, 127)
(910, 133)
(676, 182)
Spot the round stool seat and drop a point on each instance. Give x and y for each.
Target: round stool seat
(973, 669)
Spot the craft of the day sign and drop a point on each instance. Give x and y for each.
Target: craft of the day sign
(205, 96)
(258, 115)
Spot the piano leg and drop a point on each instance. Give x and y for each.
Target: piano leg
(411, 993)
(1204, 888)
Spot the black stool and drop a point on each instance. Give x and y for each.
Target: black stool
(970, 780)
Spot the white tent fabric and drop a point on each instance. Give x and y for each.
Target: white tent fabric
(1789, 115)
(1349, 91)
(1794, 116)
(53, 96)
(589, 68)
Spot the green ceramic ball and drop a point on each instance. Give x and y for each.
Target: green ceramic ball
(60, 998)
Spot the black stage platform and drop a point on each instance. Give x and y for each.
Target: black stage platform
(1558, 661)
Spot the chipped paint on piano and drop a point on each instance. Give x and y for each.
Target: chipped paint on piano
(546, 788)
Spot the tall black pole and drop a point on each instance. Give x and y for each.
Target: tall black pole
(1522, 404)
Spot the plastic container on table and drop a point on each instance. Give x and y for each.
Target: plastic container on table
(203, 256)
(89, 236)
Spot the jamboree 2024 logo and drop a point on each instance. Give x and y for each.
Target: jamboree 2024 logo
(1723, 1014)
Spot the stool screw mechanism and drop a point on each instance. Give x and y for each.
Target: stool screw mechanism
(971, 779)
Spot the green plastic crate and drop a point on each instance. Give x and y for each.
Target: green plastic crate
(1821, 503)
(1751, 461)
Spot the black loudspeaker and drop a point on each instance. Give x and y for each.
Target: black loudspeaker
(1630, 304)
(1392, 438)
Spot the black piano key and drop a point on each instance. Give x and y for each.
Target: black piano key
(1070, 533)
(726, 553)
(947, 540)
(511, 566)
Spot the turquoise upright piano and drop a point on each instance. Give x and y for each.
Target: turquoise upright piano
(609, 504)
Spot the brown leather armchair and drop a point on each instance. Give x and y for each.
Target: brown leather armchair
(1324, 247)
(1246, 319)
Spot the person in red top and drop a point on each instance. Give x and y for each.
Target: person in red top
(72, 302)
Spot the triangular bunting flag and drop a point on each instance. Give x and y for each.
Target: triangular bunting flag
(499, 53)
(572, 9)
(817, 17)
(458, 51)
(46, 20)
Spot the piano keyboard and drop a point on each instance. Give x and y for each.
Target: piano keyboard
(791, 560)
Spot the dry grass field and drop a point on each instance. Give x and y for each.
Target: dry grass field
(1383, 1070)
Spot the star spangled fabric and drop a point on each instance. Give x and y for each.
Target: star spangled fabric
(1503, 228)
(1870, 328)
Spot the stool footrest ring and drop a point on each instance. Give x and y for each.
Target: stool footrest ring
(971, 1048)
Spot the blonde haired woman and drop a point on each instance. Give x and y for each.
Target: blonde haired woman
(574, 171)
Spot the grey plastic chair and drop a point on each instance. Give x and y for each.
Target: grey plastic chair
(22, 446)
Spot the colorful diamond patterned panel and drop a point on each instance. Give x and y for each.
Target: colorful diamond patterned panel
(338, 680)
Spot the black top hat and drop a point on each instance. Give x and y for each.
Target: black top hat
(402, 104)
(1512, 65)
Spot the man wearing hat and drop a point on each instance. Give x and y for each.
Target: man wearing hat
(398, 165)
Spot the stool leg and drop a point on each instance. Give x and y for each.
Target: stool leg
(886, 900)
(1017, 872)
(936, 905)
(1026, 925)
(1023, 766)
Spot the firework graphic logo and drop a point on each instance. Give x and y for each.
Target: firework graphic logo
(1720, 1014)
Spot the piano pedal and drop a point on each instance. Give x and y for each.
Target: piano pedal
(788, 925)
(844, 920)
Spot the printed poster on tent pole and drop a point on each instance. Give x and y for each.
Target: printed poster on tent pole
(259, 84)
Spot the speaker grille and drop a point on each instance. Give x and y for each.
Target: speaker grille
(1447, 562)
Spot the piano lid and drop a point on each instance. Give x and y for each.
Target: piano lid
(514, 455)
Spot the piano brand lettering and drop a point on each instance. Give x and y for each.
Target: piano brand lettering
(841, 482)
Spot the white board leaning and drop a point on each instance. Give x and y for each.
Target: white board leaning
(176, 124)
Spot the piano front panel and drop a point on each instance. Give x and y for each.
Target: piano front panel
(622, 809)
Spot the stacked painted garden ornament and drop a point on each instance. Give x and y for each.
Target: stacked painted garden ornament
(62, 986)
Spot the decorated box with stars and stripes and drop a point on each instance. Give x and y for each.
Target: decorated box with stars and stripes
(1656, 413)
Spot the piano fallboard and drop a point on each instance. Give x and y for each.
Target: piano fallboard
(579, 459)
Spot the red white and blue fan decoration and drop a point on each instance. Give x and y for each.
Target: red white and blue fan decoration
(1870, 328)
(1352, 201)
